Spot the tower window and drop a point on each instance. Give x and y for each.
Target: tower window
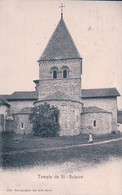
(94, 123)
(64, 73)
(54, 74)
(22, 125)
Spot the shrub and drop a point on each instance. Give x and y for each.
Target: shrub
(113, 132)
(45, 120)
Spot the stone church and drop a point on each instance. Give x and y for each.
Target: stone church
(60, 84)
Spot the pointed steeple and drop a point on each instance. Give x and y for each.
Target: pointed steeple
(60, 45)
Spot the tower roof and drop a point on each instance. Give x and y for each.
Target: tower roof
(60, 45)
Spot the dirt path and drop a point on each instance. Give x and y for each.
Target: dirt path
(63, 147)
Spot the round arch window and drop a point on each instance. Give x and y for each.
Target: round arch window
(64, 73)
(54, 74)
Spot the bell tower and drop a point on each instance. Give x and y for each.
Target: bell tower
(59, 84)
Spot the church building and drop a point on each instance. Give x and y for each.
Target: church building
(60, 84)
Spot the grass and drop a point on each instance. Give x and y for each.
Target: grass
(13, 142)
(94, 154)
(91, 153)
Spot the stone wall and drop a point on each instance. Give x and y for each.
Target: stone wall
(70, 87)
(73, 65)
(21, 123)
(102, 126)
(108, 103)
(69, 117)
(9, 125)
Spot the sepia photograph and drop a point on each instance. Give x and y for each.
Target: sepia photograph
(60, 97)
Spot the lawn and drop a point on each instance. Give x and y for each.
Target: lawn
(95, 154)
(13, 142)
(90, 154)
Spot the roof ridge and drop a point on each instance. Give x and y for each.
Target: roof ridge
(99, 88)
(22, 91)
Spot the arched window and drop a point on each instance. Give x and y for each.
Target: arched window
(54, 74)
(64, 73)
(22, 126)
(94, 123)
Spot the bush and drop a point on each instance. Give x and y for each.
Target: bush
(113, 132)
(45, 120)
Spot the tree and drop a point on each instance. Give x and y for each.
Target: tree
(45, 120)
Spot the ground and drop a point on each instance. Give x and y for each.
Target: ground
(23, 151)
(14, 142)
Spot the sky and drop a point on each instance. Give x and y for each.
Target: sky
(25, 29)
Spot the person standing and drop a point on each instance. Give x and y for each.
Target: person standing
(90, 138)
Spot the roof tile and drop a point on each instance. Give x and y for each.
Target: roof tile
(94, 109)
(60, 45)
(101, 92)
(86, 93)
(23, 95)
